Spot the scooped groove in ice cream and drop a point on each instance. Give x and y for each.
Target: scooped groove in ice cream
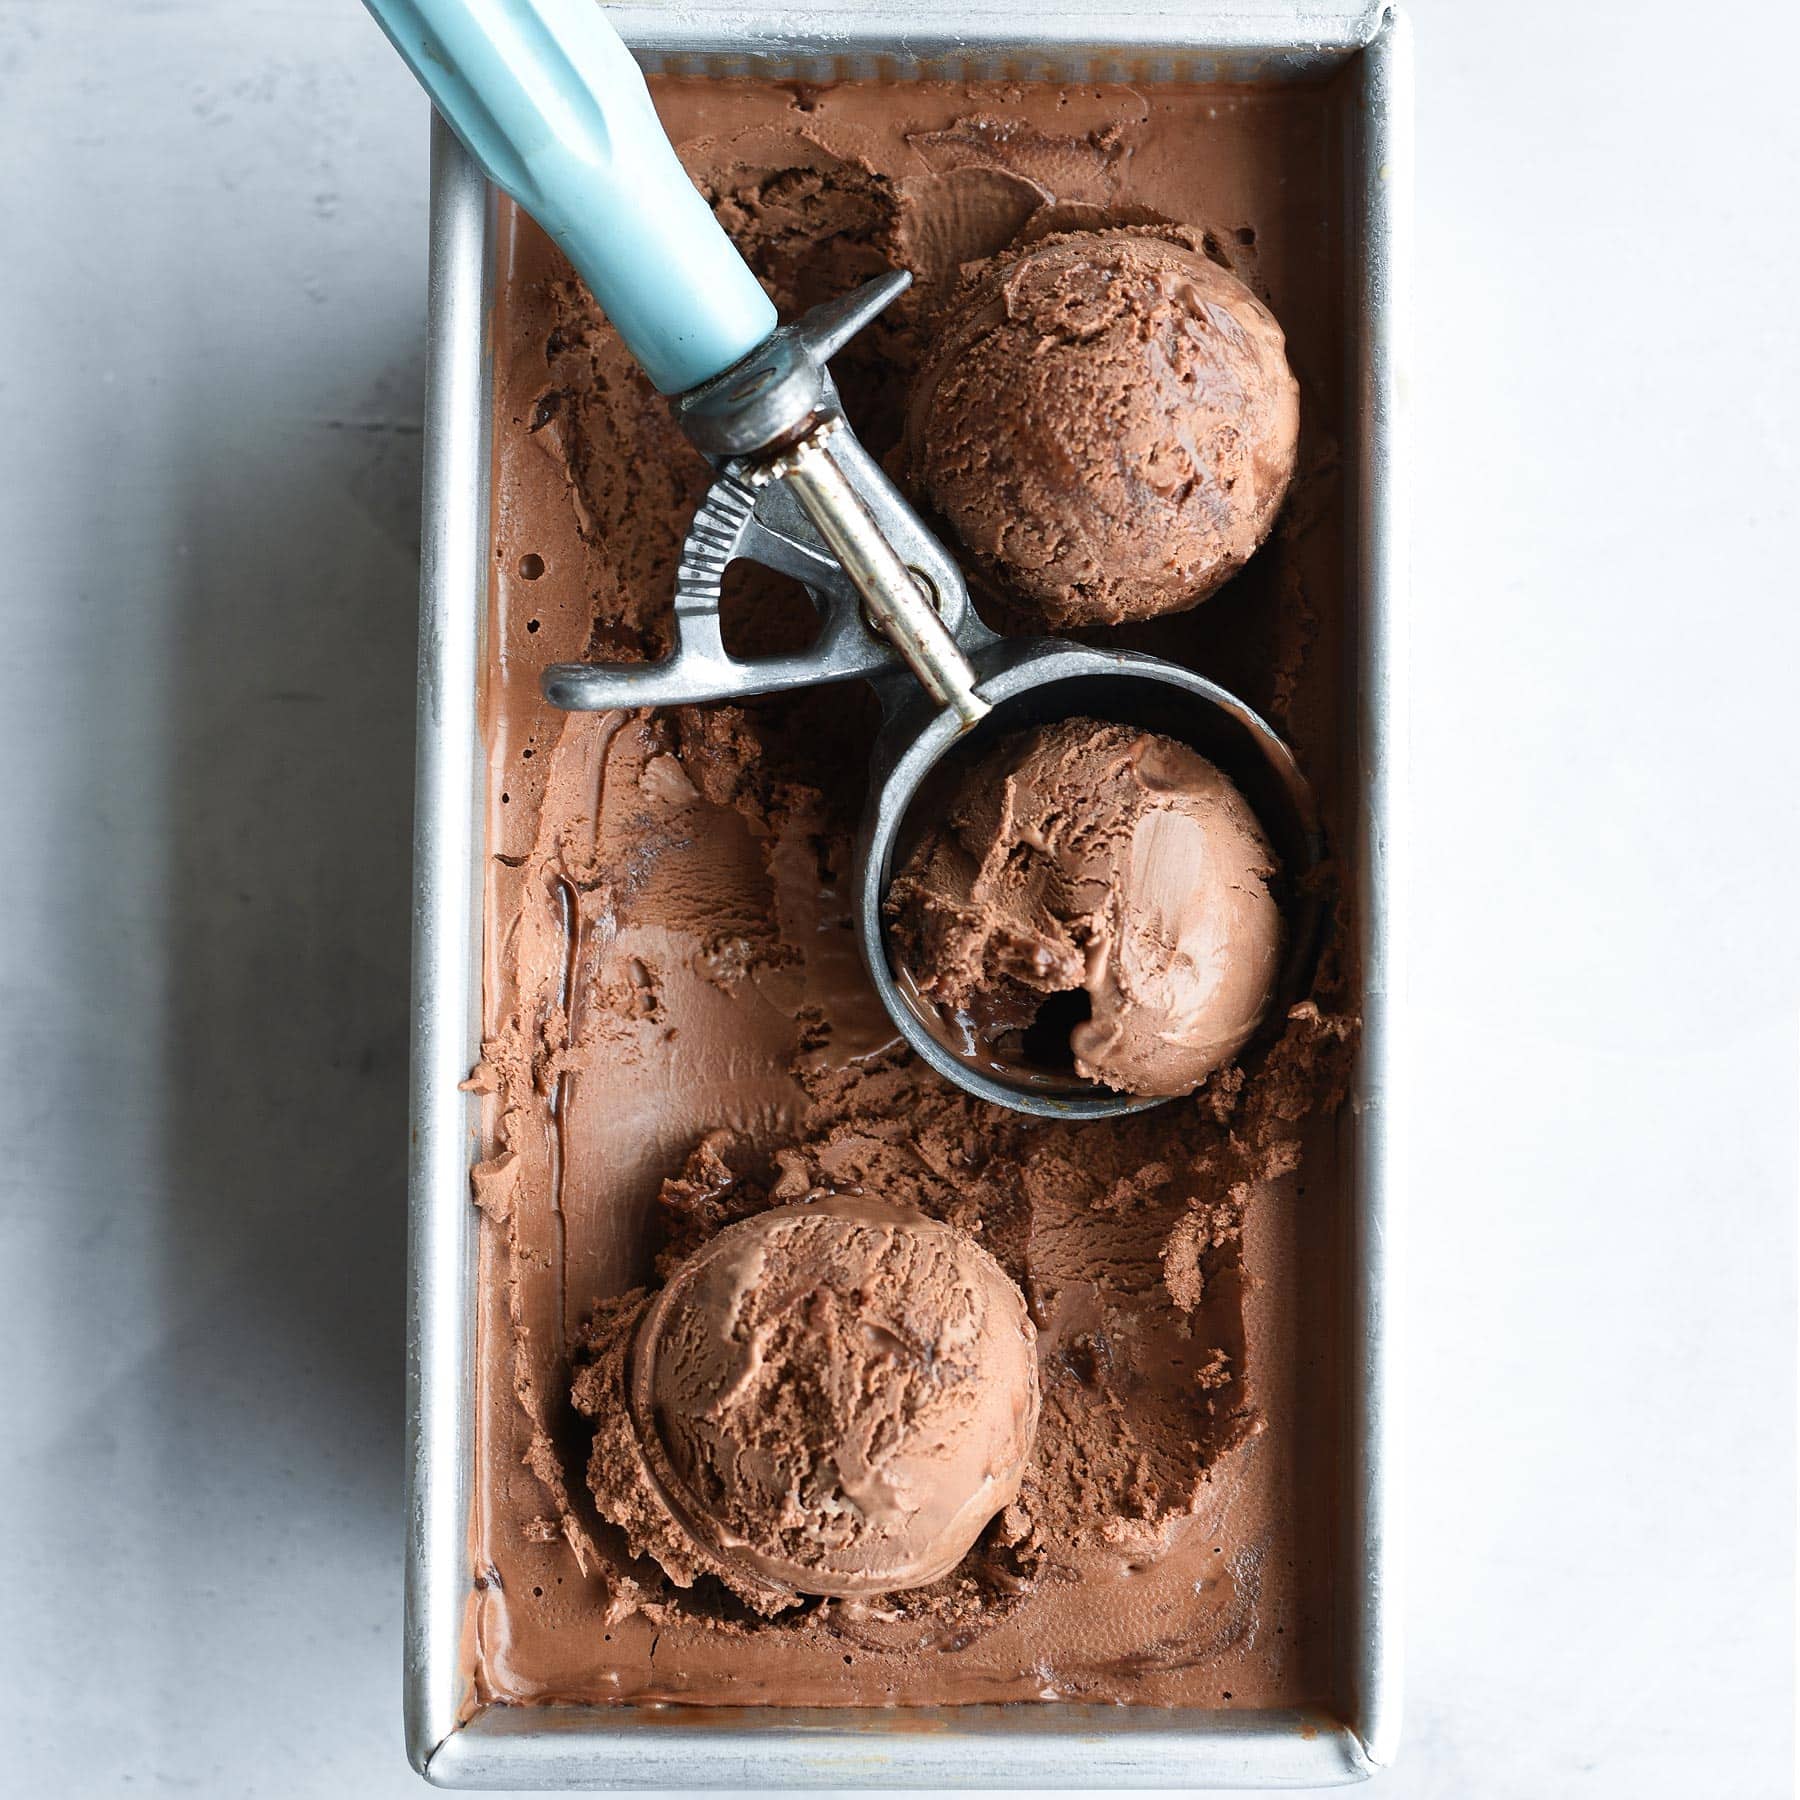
(1108, 421)
(830, 1398)
(1096, 859)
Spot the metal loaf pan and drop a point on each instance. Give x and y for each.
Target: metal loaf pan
(1362, 52)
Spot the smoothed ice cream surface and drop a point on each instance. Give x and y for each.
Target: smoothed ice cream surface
(1108, 422)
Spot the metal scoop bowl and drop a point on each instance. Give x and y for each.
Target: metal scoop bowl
(895, 611)
(918, 757)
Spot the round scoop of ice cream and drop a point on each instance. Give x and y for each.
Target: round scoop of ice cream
(835, 1398)
(1104, 863)
(1108, 421)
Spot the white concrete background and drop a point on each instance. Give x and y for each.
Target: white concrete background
(211, 312)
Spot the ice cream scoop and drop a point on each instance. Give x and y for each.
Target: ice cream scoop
(1107, 421)
(1094, 896)
(830, 1398)
(553, 108)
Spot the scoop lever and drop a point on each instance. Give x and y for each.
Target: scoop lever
(798, 492)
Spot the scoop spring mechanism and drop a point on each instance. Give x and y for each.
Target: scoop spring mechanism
(797, 492)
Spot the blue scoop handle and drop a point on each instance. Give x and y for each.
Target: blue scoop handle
(549, 102)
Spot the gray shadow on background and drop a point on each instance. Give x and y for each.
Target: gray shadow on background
(288, 871)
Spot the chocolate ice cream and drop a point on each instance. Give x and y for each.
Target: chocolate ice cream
(1096, 860)
(678, 1032)
(829, 1398)
(1108, 422)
